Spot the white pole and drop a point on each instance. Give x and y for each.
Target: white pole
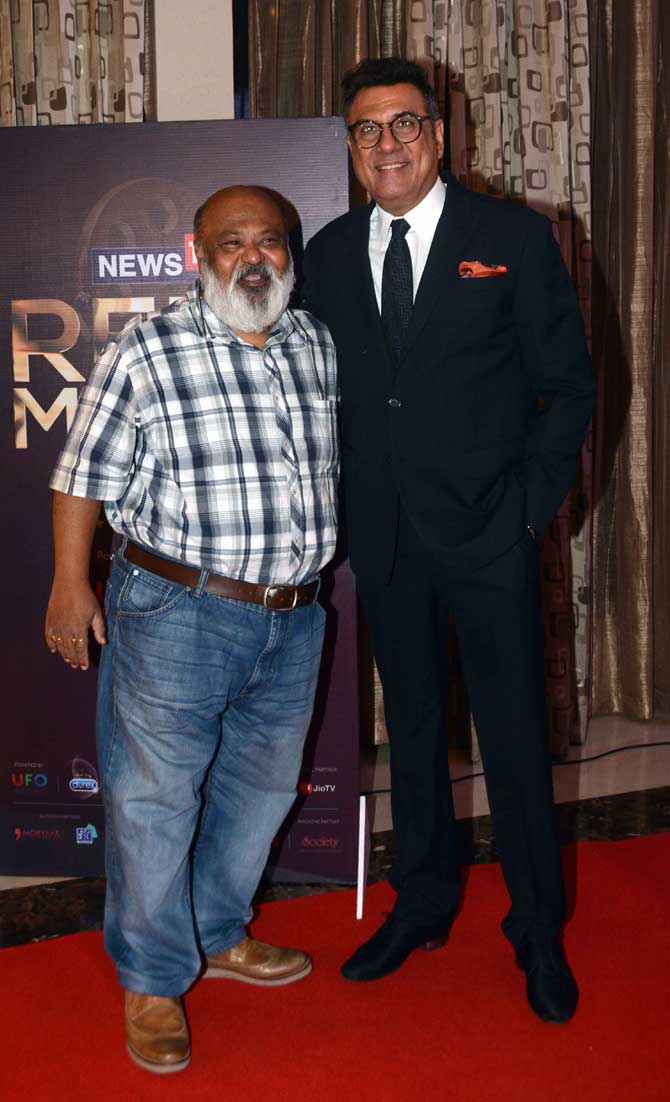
(362, 863)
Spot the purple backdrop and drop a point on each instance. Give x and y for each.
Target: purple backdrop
(94, 227)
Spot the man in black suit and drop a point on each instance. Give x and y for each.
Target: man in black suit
(466, 391)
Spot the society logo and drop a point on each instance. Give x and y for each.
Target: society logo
(311, 841)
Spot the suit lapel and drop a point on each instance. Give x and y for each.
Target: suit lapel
(361, 286)
(456, 224)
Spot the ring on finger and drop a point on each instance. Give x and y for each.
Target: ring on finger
(77, 640)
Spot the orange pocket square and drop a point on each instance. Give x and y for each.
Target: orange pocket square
(474, 269)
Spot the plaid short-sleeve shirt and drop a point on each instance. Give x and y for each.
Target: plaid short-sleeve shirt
(210, 451)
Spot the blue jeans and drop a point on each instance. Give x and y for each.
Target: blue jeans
(203, 707)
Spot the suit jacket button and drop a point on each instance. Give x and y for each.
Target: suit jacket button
(395, 403)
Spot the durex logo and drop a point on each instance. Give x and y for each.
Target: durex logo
(83, 779)
(84, 784)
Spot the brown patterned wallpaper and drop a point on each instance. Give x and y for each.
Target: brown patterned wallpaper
(71, 61)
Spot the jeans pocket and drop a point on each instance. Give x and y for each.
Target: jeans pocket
(145, 594)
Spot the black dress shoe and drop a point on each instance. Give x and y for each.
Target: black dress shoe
(392, 944)
(550, 985)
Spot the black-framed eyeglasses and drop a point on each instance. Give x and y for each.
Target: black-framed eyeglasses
(405, 128)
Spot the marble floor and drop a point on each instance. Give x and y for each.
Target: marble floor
(619, 795)
(645, 766)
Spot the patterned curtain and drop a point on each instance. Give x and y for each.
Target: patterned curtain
(514, 78)
(71, 61)
(517, 79)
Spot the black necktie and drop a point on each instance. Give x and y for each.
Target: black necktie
(397, 287)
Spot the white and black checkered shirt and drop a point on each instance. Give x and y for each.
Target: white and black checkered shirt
(210, 451)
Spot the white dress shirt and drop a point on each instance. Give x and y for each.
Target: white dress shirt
(422, 219)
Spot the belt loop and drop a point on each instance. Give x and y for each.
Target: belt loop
(202, 582)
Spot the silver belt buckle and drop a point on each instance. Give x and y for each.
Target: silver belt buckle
(275, 587)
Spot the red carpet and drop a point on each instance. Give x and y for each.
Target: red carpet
(451, 1026)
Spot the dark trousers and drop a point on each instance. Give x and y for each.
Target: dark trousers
(498, 622)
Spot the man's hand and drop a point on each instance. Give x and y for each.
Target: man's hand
(73, 608)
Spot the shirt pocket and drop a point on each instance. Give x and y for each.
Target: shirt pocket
(316, 437)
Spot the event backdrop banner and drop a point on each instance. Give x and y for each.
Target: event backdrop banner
(96, 226)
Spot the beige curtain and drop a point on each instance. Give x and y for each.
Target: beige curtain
(631, 342)
(68, 61)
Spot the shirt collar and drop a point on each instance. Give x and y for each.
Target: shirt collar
(422, 218)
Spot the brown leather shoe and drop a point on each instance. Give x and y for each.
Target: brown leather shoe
(157, 1033)
(256, 962)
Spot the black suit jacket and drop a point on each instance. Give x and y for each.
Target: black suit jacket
(478, 427)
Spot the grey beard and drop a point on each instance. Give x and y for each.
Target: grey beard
(243, 310)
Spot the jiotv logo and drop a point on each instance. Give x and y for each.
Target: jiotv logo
(147, 265)
(308, 788)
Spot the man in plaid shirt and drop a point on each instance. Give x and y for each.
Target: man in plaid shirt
(209, 434)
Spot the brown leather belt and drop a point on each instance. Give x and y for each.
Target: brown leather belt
(276, 598)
